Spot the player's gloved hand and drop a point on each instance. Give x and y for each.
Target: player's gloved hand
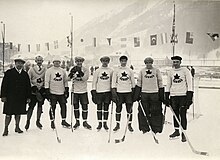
(66, 92)
(72, 72)
(137, 93)
(115, 97)
(94, 98)
(80, 72)
(167, 99)
(34, 89)
(48, 94)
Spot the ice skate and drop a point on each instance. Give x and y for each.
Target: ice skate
(175, 134)
(18, 130)
(38, 124)
(5, 133)
(130, 128)
(77, 124)
(65, 124)
(105, 126)
(86, 125)
(117, 127)
(27, 125)
(99, 126)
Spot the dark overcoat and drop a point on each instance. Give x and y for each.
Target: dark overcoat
(16, 87)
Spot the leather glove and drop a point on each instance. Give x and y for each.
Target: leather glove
(80, 72)
(72, 71)
(34, 89)
(115, 97)
(94, 98)
(48, 94)
(167, 99)
(66, 92)
(137, 93)
(189, 97)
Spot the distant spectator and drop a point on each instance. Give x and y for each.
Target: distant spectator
(192, 71)
(91, 70)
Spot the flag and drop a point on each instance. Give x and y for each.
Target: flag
(213, 36)
(136, 41)
(153, 39)
(47, 45)
(19, 47)
(11, 45)
(123, 44)
(38, 47)
(109, 41)
(163, 38)
(56, 44)
(189, 37)
(29, 47)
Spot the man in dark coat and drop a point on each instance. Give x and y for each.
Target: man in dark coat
(15, 93)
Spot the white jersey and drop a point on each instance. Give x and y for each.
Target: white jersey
(79, 84)
(102, 79)
(37, 76)
(56, 80)
(150, 80)
(123, 79)
(179, 81)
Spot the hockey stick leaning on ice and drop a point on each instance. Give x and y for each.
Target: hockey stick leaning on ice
(126, 128)
(72, 99)
(53, 119)
(153, 134)
(110, 127)
(187, 139)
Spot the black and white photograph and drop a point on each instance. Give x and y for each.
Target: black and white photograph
(109, 79)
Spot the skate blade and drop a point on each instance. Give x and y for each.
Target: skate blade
(66, 127)
(174, 138)
(98, 130)
(88, 128)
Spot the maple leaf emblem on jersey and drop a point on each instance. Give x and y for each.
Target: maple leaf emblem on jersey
(177, 79)
(58, 77)
(104, 76)
(124, 76)
(148, 71)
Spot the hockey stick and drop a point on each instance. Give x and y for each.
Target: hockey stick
(126, 128)
(72, 98)
(192, 148)
(110, 127)
(153, 134)
(164, 116)
(58, 139)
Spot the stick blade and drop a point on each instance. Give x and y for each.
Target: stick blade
(117, 141)
(58, 140)
(201, 153)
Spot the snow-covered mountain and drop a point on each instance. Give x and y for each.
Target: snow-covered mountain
(145, 18)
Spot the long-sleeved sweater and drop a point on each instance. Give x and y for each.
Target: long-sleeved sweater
(179, 81)
(56, 80)
(123, 79)
(102, 79)
(150, 80)
(79, 84)
(37, 76)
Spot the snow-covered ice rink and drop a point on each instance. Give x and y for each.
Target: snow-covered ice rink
(82, 144)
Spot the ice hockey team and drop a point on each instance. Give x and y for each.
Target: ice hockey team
(110, 87)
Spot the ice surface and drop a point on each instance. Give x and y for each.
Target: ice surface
(85, 144)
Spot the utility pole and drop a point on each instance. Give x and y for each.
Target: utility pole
(72, 42)
(174, 35)
(3, 47)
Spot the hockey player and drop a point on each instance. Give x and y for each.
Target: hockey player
(101, 91)
(37, 76)
(150, 84)
(179, 93)
(15, 93)
(57, 90)
(80, 75)
(123, 84)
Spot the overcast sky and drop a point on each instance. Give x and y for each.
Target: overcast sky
(39, 21)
